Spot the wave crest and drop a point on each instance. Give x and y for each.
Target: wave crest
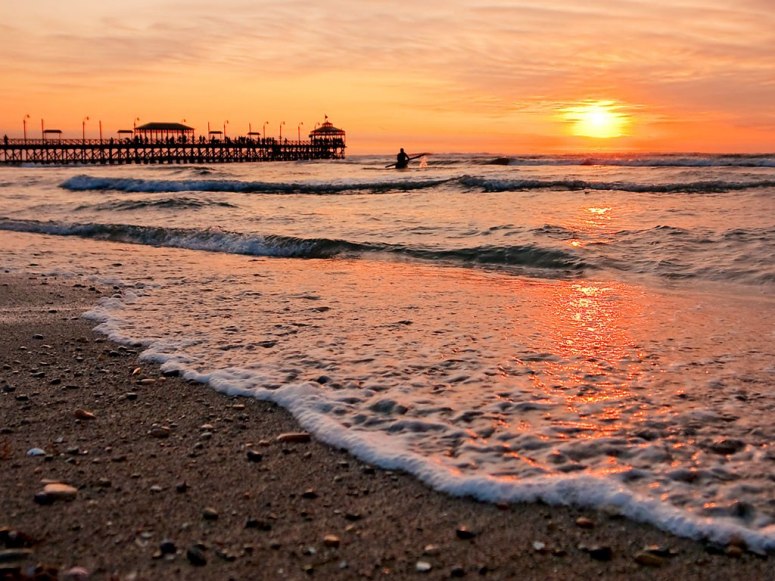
(163, 204)
(486, 184)
(217, 240)
(698, 187)
(82, 183)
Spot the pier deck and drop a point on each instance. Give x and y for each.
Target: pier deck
(108, 152)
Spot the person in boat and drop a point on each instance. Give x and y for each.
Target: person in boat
(402, 159)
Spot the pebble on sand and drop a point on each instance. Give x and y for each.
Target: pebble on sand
(585, 523)
(648, 559)
(294, 438)
(159, 432)
(423, 566)
(58, 491)
(82, 414)
(254, 523)
(431, 550)
(196, 556)
(463, 532)
(167, 547)
(209, 513)
(254, 456)
(76, 574)
(331, 541)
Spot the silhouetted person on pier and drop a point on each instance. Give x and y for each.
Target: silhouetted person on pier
(402, 159)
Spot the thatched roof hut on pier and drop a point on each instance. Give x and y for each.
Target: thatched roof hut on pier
(155, 131)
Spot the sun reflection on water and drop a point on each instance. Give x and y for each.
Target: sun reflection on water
(592, 225)
(587, 356)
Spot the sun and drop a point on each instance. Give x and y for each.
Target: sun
(598, 119)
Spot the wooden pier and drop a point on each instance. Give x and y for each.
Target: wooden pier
(108, 152)
(170, 143)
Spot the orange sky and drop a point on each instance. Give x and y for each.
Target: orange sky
(504, 76)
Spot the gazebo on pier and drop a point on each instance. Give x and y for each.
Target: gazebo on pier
(155, 131)
(329, 137)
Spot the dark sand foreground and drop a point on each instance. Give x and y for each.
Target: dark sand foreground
(175, 481)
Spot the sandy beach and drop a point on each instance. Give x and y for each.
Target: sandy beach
(167, 479)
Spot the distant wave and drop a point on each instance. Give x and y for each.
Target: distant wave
(739, 255)
(675, 160)
(698, 237)
(88, 183)
(216, 240)
(486, 184)
(713, 186)
(165, 204)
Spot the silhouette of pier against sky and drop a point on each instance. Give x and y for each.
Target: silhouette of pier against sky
(172, 143)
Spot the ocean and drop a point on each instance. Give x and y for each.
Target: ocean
(592, 330)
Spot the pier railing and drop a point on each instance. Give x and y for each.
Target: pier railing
(128, 151)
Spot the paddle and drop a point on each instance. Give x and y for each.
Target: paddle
(408, 160)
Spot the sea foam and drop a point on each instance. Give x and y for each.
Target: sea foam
(505, 416)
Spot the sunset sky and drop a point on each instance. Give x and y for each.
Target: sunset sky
(509, 76)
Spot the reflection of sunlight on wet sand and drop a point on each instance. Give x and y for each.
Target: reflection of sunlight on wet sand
(588, 324)
(588, 327)
(595, 359)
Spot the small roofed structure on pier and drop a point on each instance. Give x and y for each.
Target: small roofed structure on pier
(156, 131)
(329, 137)
(52, 134)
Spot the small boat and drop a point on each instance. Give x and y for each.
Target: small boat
(405, 164)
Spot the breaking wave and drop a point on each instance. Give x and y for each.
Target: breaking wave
(695, 187)
(136, 185)
(217, 240)
(164, 204)
(485, 184)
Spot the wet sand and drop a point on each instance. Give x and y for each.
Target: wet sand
(175, 481)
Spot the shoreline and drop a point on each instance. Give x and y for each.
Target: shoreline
(176, 481)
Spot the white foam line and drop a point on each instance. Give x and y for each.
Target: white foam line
(303, 400)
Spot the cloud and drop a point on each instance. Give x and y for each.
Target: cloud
(442, 56)
(483, 44)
